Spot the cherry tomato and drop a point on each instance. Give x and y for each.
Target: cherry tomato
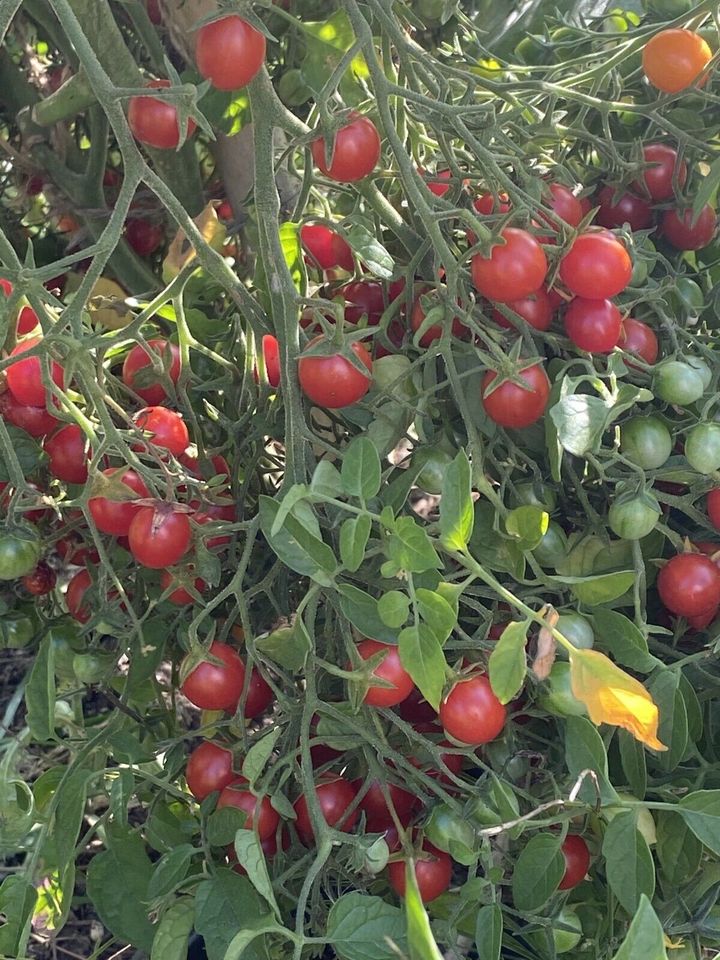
(674, 59)
(77, 588)
(27, 321)
(416, 710)
(334, 795)
(677, 382)
(513, 406)
(144, 236)
(684, 234)
(646, 441)
(40, 581)
(363, 298)
(271, 356)
(333, 381)
(626, 209)
(209, 769)
(225, 211)
(471, 713)
(536, 310)
(593, 325)
(437, 183)
(159, 536)
(638, 338)
(355, 153)
(148, 387)
(211, 467)
(689, 584)
(702, 447)
(155, 122)
(179, 596)
(24, 377)
(229, 52)
(488, 203)
(166, 428)
(596, 267)
(657, 180)
(565, 204)
(326, 247)
(115, 516)
(19, 554)
(261, 815)
(67, 452)
(435, 331)
(33, 420)
(433, 873)
(213, 687)
(713, 507)
(377, 810)
(391, 669)
(75, 553)
(633, 516)
(514, 269)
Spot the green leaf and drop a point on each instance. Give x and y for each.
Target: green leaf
(295, 495)
(223, 824)
(645, 938)
(253, 928)
(701, 812)
(173, 931)
(40, 693)
(538, 872)
(437, 612)
(354, 536)
(360, 472)
(585, 750)
(706, 189)
(362, 927)
(28, 452)
(410, 549)
(456, 506)
(17, 902)
(223, 905)
(673, 726)
(620, 637)
(491, 548)
(628, 862)
(170, 870)
(692, 709)
(393, 608)
(528, 524)
(678, 849)
(489, 931)
(362, 237)
(420, 939)
(118, 879)
(507, 663)
(258, 755)
(287, 646)
(362, 611)
(601, 588)
(326, 481)
(250, 855)
(423, 658)
(580, 421)
(632, 758)
(298, 544)
(69, 814)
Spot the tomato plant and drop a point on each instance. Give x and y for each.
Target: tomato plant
(597, 266)
(158, 536)
(514, 269)
(163, 428)
(471, 713)
(154, 122)
(511, 405)
(332, 381)
(354, 152)
(158, 353)
(674, 59)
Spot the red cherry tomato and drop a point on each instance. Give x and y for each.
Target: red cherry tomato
(115, 516)
(627, 209)
(153, 11)
(68, 454)
(355, 154)
(41, 581)
(24, 377)
(271, 356)
(657, 180)
(390, 669)
(363, 298)
(488, 203)
(326, 247)
(713, 507)
(179, 596)
(679, 229)
(75, 553)
(593, 325)
(638, 338)
(674, 59)
(536, 310)
(511, 405)
(33, 420)
(434, 332)
(471, 713)
(376, 808)
(689, 584)
(261, 815)
(229, 52)
(596, 267)
(155, 122)
(212, 467)
(77, 588)
(514, 269)
(433, 873)
(27, 321)
(213, 687)
(416, 710)
(144, 236)
(577, 860)
(333, 381)
(166, 428)
(159, 536)
(140, 358)
(437, 183)
(334, 795)
(209, 769)
(564, 204)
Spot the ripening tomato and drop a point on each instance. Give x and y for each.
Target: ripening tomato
(514, 406)
(333, 381)
(646, 441)
(144, 357)
(626, 209)
(597, 266)
(593, 325)
(261, 815)
(689, 584)
(159, 536)
(209, 769)
(536, 310)
(326, 247)
(674, 59)
(334, 796)
(115, 516)
(75, 594)
(179, 596)
(514, 269)
(41, 581)
(377, 810)
(355, 153)
(638, 338)
(713, 507)
(155, 122)
(657, 179)
(24, 377)
(686, 233)
(68, 454)
(214, 687)
(433, 873)
(471, 713)
(33, 420)
(229, 52)
(166, 428)
(391, 669)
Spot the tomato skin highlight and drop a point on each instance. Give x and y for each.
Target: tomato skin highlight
(513, 270)
(229, 52)
(471, 713)
(332, 381)
(159, 537)
(577, 861)
(674, 59)
(596, 267)
(513, 406)
(209, 769)
(433, 874)
(565, 204)
(334, 795)
(593, 325)
(656, 181)
(139, 359)
(155, 122)
(689, 584)
(679, 230)
(390, 668)
(356, 152)
(115, 516)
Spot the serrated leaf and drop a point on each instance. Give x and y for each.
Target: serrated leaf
(423, 658)
(456, 506)
(508, 661)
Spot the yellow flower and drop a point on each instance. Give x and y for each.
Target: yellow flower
(612, 696)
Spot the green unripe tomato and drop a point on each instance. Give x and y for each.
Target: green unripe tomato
(20, 550)
(646, 441)
(534, 493)
(91, 668)
(566, 940)
(533, 51)
(451, 832)
(687, 297)
(552, 549)
(702, 447)
(558, 698)
(632, 517)
(677, 382)
(16, 631)
(577, 629)
(434, 466)
(701, 368)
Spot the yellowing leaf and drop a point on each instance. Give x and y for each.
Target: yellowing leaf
(612, 696)
(181, 251)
